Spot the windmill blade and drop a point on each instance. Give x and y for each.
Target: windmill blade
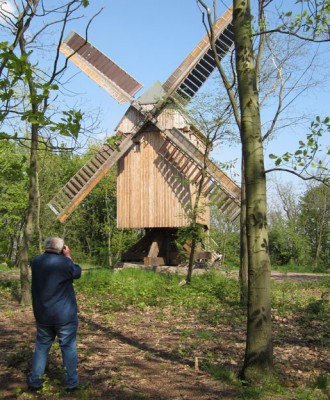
(80, 185)
(117, 82)
(186, 80)
(189, 160)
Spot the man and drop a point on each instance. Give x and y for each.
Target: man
(55, 310)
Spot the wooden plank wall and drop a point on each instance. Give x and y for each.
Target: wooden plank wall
(150, 192)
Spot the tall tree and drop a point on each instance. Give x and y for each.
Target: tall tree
(27, 93)
(258, 355)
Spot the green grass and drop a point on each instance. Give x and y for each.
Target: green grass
(301, 296)
(4, 267)
(294, 268)
(116, 291)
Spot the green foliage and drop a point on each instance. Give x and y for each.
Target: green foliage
(305, 157)
(13, 198)
(90, 231)
(69, 125)
(298, 238)
(311, 23)
(226, 239)
(309, 394)
(299, 297)
(286, 245)
(116, 291)
(315, 223)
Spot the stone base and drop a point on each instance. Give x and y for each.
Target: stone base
(179, 269)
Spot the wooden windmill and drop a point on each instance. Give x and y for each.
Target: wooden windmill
(159, 153)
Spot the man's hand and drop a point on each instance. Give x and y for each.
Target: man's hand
(66, 251)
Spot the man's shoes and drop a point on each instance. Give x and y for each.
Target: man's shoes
(75, 388)
(34, 388)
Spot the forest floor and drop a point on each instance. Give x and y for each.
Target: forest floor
(154, 353)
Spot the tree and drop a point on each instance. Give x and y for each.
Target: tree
(315, 221)
(258, 355)
(27, 94)
(287, 242)
(13, 198)
(213, 127)
(226, 235)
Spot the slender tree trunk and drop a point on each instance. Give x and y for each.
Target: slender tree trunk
(40, 236)
(258, 353)
(191, 260)
(320, 228)
(26, 297)
(243, 271)
(23, 257)
(195, 214)
(109, 256)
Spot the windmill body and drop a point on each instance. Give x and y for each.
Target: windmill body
(159, 152)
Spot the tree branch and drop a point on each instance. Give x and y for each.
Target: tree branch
(325, 181)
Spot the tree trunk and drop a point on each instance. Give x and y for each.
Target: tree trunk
(26, 297)
(258, 353)
(29, 220)
(109, 232)
(320, 228)
(40, 236)
(243, 271)
(195, 213)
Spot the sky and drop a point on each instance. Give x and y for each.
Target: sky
(149, 39)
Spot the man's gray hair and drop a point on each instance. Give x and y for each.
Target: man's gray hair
(54, 244)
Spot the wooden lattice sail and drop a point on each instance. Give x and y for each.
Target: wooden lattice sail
(110, 76)
(190, 75)
(81, 184)
(189, 160)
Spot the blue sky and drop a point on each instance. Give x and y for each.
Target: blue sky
(149, 39)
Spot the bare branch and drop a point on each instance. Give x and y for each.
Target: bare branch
(325, 181)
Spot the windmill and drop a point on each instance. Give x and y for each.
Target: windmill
(158, 151)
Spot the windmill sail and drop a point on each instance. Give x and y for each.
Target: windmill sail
(118, 83)
(80, 185)
(186, 80)
(188, 160)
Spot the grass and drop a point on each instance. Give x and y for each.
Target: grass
(303, 269)
(116, 291)
(299, 296)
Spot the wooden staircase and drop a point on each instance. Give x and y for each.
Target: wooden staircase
(189, 161)
(79, 186)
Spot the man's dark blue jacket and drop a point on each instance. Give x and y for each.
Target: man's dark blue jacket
(53, 296)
